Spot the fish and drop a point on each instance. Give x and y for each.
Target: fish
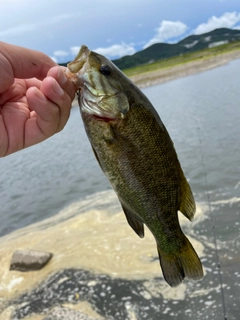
(137, 155)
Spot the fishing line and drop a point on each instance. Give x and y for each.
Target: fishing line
(213, 226)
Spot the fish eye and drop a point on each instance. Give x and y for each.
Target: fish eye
(105, 70)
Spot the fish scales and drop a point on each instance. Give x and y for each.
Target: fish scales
(138, 157)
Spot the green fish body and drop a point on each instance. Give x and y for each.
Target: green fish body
(137, 155)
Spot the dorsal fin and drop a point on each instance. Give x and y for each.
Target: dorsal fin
(134, 222)
(187, 203)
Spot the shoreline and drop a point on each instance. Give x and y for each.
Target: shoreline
(166, 74)
(162, 75)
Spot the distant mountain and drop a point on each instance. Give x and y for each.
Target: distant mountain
(192, 43)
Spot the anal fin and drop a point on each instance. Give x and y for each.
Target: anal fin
(134, 222)
(187, 204)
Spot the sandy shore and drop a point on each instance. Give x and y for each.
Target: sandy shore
(182, 70)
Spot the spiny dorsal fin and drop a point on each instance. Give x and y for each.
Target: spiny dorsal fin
(187, 203)
(134, 222)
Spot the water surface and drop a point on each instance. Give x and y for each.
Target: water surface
(90, 238)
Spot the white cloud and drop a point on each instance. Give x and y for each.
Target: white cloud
(61, 17)
(22, 29)
(16, 31)
(54, 59)
(117, 50)
(167, 30)
(227, 20)
(74, 50)
(60, 53)
(237, 28)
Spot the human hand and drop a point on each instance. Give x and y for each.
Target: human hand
(35, 98)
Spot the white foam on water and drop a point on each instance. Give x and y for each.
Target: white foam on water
(230, 201)
(94, 235)
(15, 281)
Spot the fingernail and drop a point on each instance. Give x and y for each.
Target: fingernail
(57, 89)
(39, 94)
(62, 79)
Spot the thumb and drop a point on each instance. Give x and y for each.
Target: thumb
(18, 62)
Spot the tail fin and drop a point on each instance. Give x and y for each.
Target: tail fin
(177, 266)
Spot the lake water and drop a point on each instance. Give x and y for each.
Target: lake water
(60, 180)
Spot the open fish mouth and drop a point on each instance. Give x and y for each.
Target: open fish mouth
(100, 95)
(78, 67)
(89, 103)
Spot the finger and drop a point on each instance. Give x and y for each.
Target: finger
(26, 63)
(16, 92)
(18, 62)
(44, 117)
(67, 85)
(34, 82)
(51, 105)
(55, 93)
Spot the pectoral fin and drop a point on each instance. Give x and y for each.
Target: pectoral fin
(134, 222)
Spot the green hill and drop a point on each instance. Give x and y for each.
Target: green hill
(162, 51)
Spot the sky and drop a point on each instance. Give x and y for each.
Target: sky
(114, 28)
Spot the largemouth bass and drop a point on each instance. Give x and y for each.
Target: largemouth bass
(138, 157)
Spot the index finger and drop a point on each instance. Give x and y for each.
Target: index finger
(23, 63)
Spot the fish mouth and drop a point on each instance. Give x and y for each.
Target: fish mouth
(77, 65)
(92, 102)
(96, 98)
(89, 104)
(77, 68)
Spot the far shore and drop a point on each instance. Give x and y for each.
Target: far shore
(162, 75)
